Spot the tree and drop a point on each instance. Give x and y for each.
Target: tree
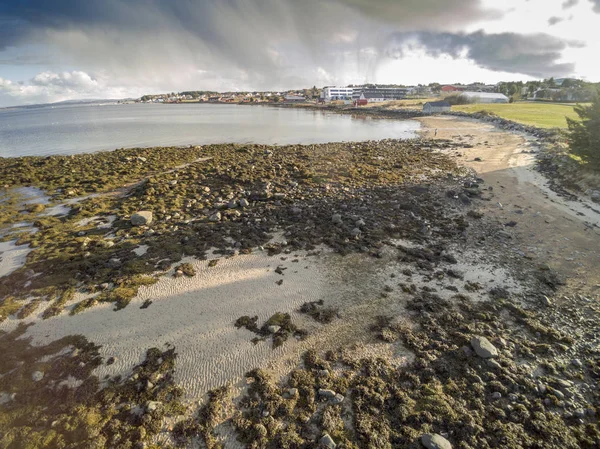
(584, 134)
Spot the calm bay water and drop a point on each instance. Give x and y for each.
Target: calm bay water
(70, 129)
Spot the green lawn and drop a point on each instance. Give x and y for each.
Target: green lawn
(543, 115)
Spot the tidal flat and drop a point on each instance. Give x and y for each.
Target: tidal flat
(350, 295)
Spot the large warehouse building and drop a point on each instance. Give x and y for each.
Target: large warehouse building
(484, 97)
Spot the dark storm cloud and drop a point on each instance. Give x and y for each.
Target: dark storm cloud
(214, 21)
(261, 39)
(535, 55)
(423, 13)
(261, 43)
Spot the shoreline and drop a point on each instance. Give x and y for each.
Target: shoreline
(427, 258)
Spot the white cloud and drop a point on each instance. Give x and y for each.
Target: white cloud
(50, 87)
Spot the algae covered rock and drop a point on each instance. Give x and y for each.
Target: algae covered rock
(141, 218)
(483, 347)
(435, 441)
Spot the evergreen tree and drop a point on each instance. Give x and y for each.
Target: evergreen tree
(584, 134)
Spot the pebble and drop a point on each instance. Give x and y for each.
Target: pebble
(336, 219)
(273, 329)
(496, 395)
(338, 399)
(244, 202)
(559, 394)
(152, 405)
(215, 217)
(329, 394)
(493, 364)
(577, 363)
(546, 301)
(36, 376)
(435, 441)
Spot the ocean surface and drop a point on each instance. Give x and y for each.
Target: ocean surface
(71, 129)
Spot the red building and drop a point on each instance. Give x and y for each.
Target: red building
(450, 89)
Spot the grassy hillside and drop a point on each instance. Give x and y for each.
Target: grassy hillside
(543, 115)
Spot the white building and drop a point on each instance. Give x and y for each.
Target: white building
(484, 97)
(330, 93)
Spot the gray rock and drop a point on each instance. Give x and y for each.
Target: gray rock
(215, 217)
(292, 392)
(546, 301)
(559, 394)
(483, 348)
(360, 223)
(336, 219)
(496, 395)
(232, 204)
(141, 218)
(114, 262)
(329, 394)
(596, 196)
(244, 202)
(355, 232)
(36, 376)
(577, 363)
(435, 441)
(327, 441)
(152, 405)
(493, 364)
(273, 329)
(338, 398)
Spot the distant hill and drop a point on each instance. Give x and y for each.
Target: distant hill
(69, 102)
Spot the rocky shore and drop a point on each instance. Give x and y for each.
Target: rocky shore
(423, 344)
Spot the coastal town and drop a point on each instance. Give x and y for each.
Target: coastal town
(556, 90)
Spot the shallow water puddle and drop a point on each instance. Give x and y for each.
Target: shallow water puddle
(12, 256)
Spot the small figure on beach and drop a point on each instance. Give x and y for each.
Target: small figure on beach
(435, 133)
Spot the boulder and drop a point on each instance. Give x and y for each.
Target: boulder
(141, 218)
(483, 347)
(435, 441)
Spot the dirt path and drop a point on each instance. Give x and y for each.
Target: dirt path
(550, 229)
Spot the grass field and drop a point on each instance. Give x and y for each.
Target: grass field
(543, 115)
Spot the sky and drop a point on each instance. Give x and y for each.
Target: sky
(73, 49)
